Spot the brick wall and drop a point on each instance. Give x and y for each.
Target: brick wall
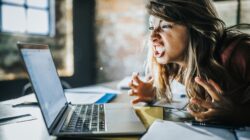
(120, 33)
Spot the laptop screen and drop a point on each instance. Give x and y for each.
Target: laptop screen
(45, 81)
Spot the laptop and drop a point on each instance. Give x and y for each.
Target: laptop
(69, 120)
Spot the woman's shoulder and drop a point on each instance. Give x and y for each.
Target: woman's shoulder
(238, 48)
(236, 58)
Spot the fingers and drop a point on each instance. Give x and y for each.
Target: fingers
(131, 85)
(148, 77)
(135, 78)
(143, 90)
(216, 86)
(211, 90)
(203, 116)
(202, 103)
(151, 81)
(134, 84)
(137, 100)
(132, 93)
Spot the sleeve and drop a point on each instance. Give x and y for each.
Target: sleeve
(240, 62)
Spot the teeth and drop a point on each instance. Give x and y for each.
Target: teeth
(160, 49)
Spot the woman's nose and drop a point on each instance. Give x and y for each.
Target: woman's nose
(155, 36)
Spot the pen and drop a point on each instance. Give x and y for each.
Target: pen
(25, 104)
(14, 117)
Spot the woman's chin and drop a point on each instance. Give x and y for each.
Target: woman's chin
(162, 61)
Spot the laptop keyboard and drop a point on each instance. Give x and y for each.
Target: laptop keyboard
(86, 118)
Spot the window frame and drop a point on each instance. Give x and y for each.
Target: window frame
(84, 52)
(51, 18)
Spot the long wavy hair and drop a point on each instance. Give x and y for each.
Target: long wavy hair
(206, 31)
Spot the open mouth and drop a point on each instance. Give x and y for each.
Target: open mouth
(159, 51)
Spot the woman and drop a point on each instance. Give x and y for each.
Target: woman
(189, 43)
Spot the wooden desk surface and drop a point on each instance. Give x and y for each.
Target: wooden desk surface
(36, 129)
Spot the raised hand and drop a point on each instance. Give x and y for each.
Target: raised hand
(144, 91)
(220, 107)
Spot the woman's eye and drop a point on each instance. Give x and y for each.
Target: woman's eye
(151, 28)
(166, 26)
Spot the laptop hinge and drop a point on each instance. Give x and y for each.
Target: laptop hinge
(58, 118)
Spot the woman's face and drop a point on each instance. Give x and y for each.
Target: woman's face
(169, 40)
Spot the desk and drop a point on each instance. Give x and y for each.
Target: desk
(36, 129)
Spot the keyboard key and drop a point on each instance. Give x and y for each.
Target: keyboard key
(86, 118)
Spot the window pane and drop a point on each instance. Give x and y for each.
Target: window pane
(37, 21)
(13, 18)
(38, 3)
(21, 2)
(223, 10)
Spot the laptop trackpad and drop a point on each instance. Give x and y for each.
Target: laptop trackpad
(122, 118)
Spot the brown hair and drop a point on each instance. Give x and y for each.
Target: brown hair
(205, 31)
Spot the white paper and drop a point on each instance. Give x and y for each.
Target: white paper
(168, 130)
(7, 111)
(8, 115)
(93, 89)
(243, 134)
(24, 99)
(83, 98)
(73, 97)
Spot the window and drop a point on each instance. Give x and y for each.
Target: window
(239, 13)
(27, 16)
(33, 21)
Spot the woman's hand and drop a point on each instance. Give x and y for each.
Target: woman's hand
(143, 90)
(221, 107)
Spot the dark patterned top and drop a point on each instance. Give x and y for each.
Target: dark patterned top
(236, 59)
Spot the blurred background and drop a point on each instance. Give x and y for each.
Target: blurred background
(92, 41)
